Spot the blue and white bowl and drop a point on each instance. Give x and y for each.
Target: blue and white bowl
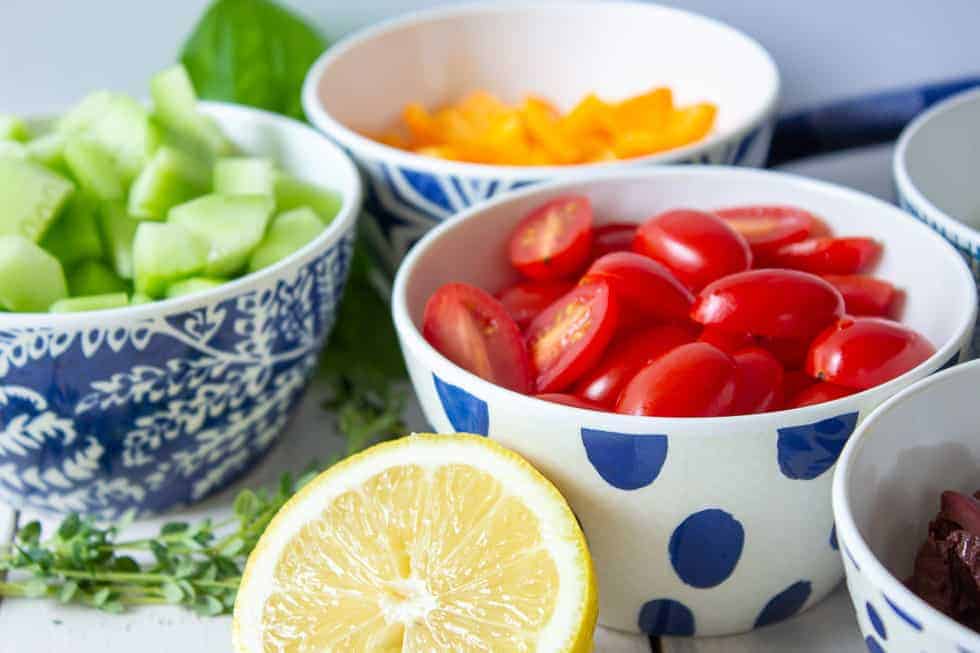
(696, 526)
(561, 51)
(155, 406)
(887, 486)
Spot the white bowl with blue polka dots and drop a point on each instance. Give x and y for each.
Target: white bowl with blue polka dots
(886, 490)
(558, 50)
(697, 526)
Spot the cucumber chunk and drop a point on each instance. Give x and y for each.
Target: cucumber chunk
(93, 168)
(165, 253)
(13, 128)
(75, 236)
(48, 150)
(30, 197)
(190, 286)
(93, 278)
(118, 230)
(244, 176)
(232, 225)
(13, 149)
(170, 178)
(90, 303)
(30, 278)
(287, 233)
(139, 298)
(292, 193)
(175, 108)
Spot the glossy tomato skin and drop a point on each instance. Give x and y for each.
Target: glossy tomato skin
(766, 228)
(693, 380)
(626, 356)
(526, 299)
(727, 341)
(759, 382)
(569, 400)
(473, 330)
(554, 240)
(828, 255)
(570, 336)
(795, 382)
(777, 303)
(642, 285)
(862, 352)
(612, 237)
(818, 393)
(867, 296)
(697, 247)
(791, 352)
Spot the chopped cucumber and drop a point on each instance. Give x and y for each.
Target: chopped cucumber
(90, 303)
(30, 278)
(175, 108)
(118, 230)
(287, 233)
(139, 298)
(13, 128)
(164, 253)
(170, 178)
(74, 236)
(93, 168)
(48, 150)
(94, 278)
(13, 149)
(190, 286)
(244, 176)
(30, 197)
(232, 225)
(292, 193)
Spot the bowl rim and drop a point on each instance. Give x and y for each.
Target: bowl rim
(850, 536)
(903, 180)
(348, 138)
(343, 222)
(413, 340)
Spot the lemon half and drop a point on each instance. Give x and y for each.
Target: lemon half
(429, 543)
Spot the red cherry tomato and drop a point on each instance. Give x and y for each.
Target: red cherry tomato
(759, 382)
(827, 255)
(727, 341)
(862, 352)
(795, 382)
(791, 352)
(554, 240)
(612, 237)
(779, 303)
(866, 296)
(697, 247)
(818, 393)
(767, 228)
(569, 336)
(526, 299)
(694, 380)
(569, 400)
(642, 285)
(627, 356)
(474, 330)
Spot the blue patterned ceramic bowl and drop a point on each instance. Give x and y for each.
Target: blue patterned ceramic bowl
(886, 490)
(697, 526)
(159, 405)
(561, 51)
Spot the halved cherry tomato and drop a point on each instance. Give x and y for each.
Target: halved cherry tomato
(866, 296)
(795, 382)
(818, 393)
(693, 380)
(612, 237)
(642, 285)
(627, 356)
(472, 329)
(791, 352)
(768, 227)
(569, 400)
(569, 336)
(526, 299)
(759, 382)
(827, 255)
(727, 341)
(862, 352)
(780, 303)
(697, 247)
(554, 240)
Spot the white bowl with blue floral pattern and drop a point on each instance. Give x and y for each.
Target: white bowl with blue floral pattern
(887, 486)
(697, 526)
(559, 50)
(155, 406)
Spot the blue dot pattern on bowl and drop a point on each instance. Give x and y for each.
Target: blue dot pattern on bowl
(833, 538)
(876, 621)
(705, 547)
(785, 604)
(873, 645)
(666, 617)
(902, 614)
(807, 451)
(165, 411)
(624, 460)
(466, 413)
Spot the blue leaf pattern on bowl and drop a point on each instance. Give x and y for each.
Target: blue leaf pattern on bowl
(807, 451)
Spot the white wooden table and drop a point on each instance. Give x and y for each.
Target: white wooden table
(29, 626)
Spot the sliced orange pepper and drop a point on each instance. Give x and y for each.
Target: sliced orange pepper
(544, 127)
(644, 112)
